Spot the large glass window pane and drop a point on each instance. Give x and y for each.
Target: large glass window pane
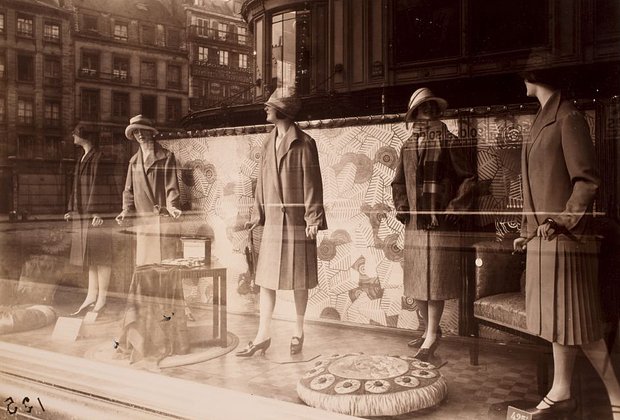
(290, 50)
(426, 29)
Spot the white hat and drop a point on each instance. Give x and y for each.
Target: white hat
(139, 122)
(424, 95)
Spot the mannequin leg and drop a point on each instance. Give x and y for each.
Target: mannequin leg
(423, 311)
(267, 304)
(435, 310)
(301, 303)
(563, 366)
(91, 294)
(103, 277)
(597, 353)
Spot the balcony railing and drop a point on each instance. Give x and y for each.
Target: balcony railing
(177, 44)
(118, 77)
(217, 35)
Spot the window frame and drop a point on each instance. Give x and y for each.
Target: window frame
(55, 108)
(118, 74)
(56, 77)
(121, 24)
(21, 33)
(55, 39)
(89, 71)
(143, 80)
(171, 83)
(142, 103)
(25, 114)
(91, 114)
(21, 73)
(178, 102)
(223, 58)
(199, 53)
(88, 18)
(243, 61)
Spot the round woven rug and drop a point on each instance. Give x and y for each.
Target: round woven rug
(367, 385)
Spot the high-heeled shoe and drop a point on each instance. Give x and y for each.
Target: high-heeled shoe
(425, 353)
(297, 343)
(416, 343)
(84, 309)
(101, 310)
(555, 410)
(252, 348)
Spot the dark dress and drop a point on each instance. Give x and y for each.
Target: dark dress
(90, 245)
(560, 181)
(433, 176)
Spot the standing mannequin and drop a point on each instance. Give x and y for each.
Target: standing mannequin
(151, 192)
(289, 204)
(433, 186)
(562, 297)
(90, 245)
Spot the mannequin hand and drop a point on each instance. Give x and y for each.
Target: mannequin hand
(548, 230)
(434, 222)
(519, 244)
(121, 217)
(311, 231)
(97, 221)
(249, 225)
(67, 216)
(174, 212)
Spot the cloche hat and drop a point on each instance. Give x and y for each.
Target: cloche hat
(285, 101)
(139, 122)
(424, 95)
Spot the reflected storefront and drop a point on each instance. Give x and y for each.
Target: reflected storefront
(164, 344)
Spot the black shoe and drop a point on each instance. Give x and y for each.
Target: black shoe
(424, 354)
(556, 409)
(297, 343)
(83, 310)
(416, 343)
(253, 348)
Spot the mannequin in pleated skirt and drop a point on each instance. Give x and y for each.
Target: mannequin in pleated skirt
(562, 295)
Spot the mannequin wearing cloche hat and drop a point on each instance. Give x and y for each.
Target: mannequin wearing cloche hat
(289, 204)
(151, 191)
(433, 186)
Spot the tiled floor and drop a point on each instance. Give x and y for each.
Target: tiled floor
(503, 374)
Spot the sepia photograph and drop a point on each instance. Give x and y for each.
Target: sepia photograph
(310, 209)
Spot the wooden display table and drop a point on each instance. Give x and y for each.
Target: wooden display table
(155, 324)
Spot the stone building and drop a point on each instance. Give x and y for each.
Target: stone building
(130, 58)
(220, 54)
(36, 104)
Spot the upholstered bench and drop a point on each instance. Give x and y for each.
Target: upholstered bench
(496, 298)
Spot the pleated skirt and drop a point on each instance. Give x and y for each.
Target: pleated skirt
(432, 264)
(562, 291)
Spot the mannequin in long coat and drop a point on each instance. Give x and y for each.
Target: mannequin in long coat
(562, 296)
(91, 246)
(434, 183)
(151, 193)
(289, 203)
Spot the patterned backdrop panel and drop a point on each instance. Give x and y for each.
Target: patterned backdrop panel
(360, 255)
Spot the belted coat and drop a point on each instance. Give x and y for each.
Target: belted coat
(560, 181)
(288, 197)
(150, 185)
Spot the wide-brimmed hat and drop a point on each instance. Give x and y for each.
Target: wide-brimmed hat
(285, 101)
(139, 122)
(424, 95)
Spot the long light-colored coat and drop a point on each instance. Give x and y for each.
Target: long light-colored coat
(560, 181)
(152, 184)
(289, 197)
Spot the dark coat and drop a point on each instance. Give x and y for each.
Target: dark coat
(152, 185)
(436, 178)
(289, 197)
(560, 181)
(90, 245)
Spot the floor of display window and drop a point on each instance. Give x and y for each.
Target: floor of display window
(505, 373)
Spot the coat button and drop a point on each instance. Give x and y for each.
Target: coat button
(282, 208)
